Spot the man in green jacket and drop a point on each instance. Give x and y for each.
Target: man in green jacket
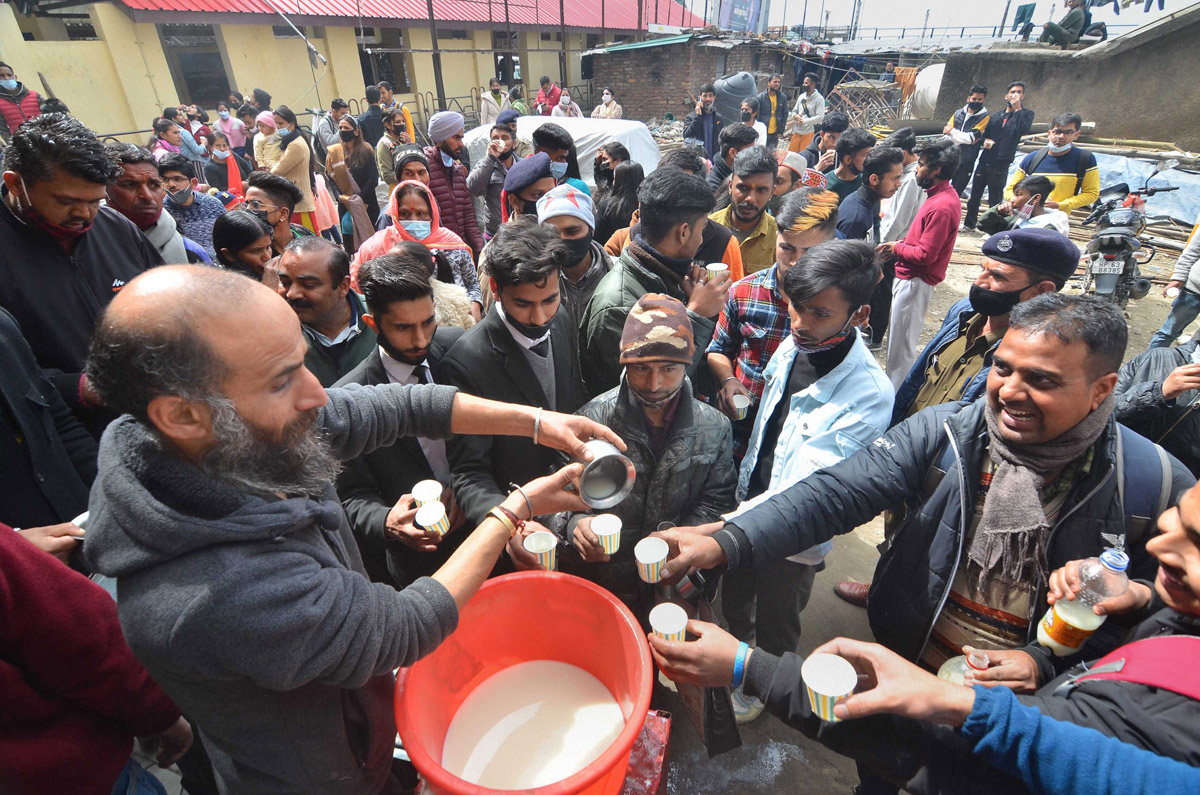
(314, 278)
(1066, 30)
(674, 209)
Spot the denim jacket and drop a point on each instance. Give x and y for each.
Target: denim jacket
(838, 415)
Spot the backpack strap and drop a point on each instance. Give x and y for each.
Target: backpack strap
(1038, 157)
(1166, 662)
(1081, 169)
(1139, 463)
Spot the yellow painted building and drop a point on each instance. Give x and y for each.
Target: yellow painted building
(117, 65)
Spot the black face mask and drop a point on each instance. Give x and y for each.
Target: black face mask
(746, 116)
(346, 135)
(532, 332)
(580, 247)
(975, 107)
(992, 303)
(528, 207)
(260, 215)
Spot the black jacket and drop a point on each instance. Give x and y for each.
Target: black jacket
(781, 110)
(372, 483)
(48, 473)
(925, 757)
(1006, 130)
(1141, 406)
(488, 362)
(216, 172)
(858, 215)
(694, 128)
(371, 122)
(57, 297)
(913, 577)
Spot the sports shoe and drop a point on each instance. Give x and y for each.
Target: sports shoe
(745, 708)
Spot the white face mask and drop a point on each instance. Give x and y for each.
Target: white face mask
(607, 98)
(564, 100)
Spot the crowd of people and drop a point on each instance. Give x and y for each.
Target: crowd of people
(238, 349)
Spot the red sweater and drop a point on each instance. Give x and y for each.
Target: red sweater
(925, 251)
(72, 695)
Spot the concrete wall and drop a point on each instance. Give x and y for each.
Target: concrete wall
(1141, 86)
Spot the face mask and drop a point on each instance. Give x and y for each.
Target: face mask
(418, 229)
(181, 196)
(746, 116)
(8, 85)
(224, 114)
(531, 332)
(261, 215)
(606, 98)
(975, 107)
(529, 208)
(580, 247)
(558, 171)
(1024, 213)
(654, 405)
(219, 155)
(825, 344)
(1059, 150)
(63, 233)
(564, 100)
(346, 135)
(496, 93)
(992, 303)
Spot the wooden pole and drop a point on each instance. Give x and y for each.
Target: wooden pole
(437, 57)
(562, 23)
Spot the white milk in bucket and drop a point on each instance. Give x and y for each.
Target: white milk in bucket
(530, 725)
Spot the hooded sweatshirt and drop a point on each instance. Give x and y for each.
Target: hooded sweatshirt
(255, 614)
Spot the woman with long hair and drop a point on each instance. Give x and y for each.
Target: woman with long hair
(226, 170)
(297, 163)
(615, 210)
(242, 242)
(415, 217)
(166, 139)
(232, 127)
(359, 157)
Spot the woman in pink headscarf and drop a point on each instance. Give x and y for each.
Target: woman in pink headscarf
(414, 216)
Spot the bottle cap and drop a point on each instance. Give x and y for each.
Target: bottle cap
(978, 660)
(1115, 559)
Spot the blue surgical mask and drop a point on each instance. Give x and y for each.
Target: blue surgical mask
(219, 154)
(447, 160)
(1059, 150)
(558, 171)
(8, 85)
(224, 114)
(419, 230)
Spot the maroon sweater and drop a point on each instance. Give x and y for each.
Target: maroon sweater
(72, 695)
(449, 188)
(925, 251)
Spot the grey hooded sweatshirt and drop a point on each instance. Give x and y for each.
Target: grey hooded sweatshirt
(255, 614)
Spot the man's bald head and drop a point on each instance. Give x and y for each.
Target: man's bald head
(162, 334)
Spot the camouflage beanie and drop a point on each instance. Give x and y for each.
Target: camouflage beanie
(657, 330)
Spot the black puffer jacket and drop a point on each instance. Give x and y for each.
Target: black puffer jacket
(924, 757)
(1141, 406)
(913, 577)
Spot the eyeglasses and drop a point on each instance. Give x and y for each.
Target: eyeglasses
(255, 204)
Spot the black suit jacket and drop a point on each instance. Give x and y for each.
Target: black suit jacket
(488, 362)
(372, 483)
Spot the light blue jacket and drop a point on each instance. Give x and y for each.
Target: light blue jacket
(835, 417)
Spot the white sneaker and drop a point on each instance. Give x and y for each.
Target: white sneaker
(745, 708)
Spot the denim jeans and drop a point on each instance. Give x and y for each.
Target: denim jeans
(1185, 309)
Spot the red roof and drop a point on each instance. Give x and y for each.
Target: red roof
(618, 14)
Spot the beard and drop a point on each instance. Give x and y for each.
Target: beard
(399, 355)
(748, 211)
(299, 461)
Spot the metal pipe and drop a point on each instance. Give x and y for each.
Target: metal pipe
(437, 58)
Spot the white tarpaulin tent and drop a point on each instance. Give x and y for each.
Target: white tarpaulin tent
(925, 94)
(589, 135)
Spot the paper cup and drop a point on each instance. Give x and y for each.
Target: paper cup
(715, 271)
(1172, 292)
(543, 546)
(427, 491)
(669, 621)
(741, 404)
(650, 553)
(828, 680)
(607, 528)
(432, 517)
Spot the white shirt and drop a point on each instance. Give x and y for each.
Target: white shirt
(399, 372)
(761, 129)
(1050, 219)
(901, 210)
(811, 109)
(520, 338)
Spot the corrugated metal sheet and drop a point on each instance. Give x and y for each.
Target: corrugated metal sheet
(641, 45)
(617, 14)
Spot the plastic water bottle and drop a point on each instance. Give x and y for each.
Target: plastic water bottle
(1067, 624)
(955, 669)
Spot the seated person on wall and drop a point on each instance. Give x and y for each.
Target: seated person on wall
(1074, 731)
(314, 278)
(680, 448)
(376, 488)
(524, 352)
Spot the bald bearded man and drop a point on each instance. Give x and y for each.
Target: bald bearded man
(241, 587)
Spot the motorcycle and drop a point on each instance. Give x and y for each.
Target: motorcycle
(1114, 252)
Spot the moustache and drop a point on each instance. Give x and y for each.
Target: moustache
(299, 303)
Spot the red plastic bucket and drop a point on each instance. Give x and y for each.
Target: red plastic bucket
(519, 618)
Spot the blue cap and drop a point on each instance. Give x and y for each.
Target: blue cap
(509, 116)
(526, 172)
(1035, 248)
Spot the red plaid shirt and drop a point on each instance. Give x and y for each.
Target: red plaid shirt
(751, 326)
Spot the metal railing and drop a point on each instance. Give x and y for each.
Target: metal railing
(821, 32)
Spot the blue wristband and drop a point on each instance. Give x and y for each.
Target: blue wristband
(739, 664)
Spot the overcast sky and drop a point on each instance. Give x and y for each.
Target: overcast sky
(901, 13)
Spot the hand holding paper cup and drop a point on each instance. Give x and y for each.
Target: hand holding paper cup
(650, 553)
(607, 528)
(432, 517)
(543, 546)
(829, 679)
(669, 621)
(741, 405)
(427, 491)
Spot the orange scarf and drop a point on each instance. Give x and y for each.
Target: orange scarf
(233, 175)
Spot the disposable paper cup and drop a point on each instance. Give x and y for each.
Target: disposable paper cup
(650, 553)
(607, 528)
(543, 546)
(1172, 292)
(828, 680)
(715, 271)
(741, 404)
(427, 491)
(432, 516)
(669, 621)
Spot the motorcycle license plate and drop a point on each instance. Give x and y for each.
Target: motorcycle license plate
(1107, 266)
